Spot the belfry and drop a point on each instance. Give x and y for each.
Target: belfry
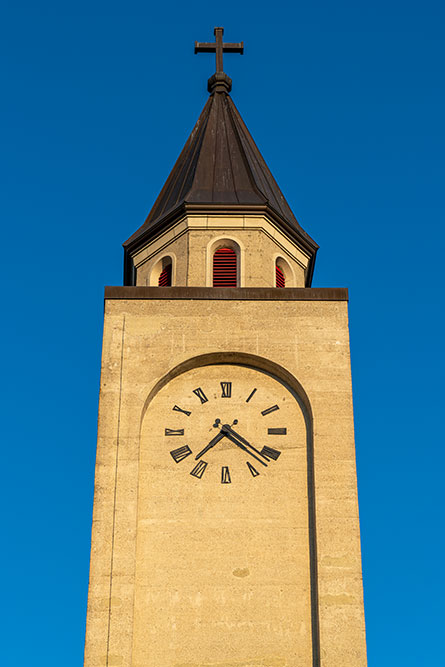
(225, 522)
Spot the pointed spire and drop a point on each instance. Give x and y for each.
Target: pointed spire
(220, 166)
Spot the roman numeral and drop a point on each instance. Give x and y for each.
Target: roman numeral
(269, 410)
(181, 453)
(276, 431)
(178, 409)
(253, 471)
(270, 453)
(199, 469)
(250, 395)
(200, 394)
(174, 431)
(225, 475)
(226, 389)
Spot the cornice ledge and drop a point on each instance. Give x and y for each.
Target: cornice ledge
(228, 294)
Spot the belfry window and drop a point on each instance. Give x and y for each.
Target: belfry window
(165, 277)
(225, 268)
(283, 274)
(280, 278)
(162, 273)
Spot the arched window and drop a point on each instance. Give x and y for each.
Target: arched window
(162, 272)
(284, 275)
(280, 278)
(224, 268)
(165, 277)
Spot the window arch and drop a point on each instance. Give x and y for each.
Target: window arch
(225, 268)
(283, 273)
(228, 243)
(161, 274)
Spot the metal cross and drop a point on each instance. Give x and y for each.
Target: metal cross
(219, 47)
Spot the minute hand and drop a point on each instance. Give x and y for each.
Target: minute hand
(237, 442)
(228, 429)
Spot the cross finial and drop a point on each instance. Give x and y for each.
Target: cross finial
(219, 81)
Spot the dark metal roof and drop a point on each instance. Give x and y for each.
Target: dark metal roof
(220, 167)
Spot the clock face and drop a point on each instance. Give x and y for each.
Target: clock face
(226, 423)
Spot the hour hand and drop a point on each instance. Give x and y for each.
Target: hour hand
(211, 444)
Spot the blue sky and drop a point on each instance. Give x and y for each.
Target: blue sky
(346, 102)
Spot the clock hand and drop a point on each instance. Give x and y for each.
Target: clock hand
(211, 444)
(240, 444)
(229, 429)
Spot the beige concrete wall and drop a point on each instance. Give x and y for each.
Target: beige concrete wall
(192, 240)
(140, 492)
(175, 247)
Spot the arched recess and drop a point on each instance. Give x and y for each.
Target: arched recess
(225, 242)
(282, 266)
(291, 383)
(160, 271)
(238, 359)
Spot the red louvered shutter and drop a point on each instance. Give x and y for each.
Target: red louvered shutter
(224, 268)
(165, 279)
(280, 279)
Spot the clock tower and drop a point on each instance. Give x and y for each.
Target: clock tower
(225, 522)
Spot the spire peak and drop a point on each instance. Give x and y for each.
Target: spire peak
(219, 82)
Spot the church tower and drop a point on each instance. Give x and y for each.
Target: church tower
(225, 522)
